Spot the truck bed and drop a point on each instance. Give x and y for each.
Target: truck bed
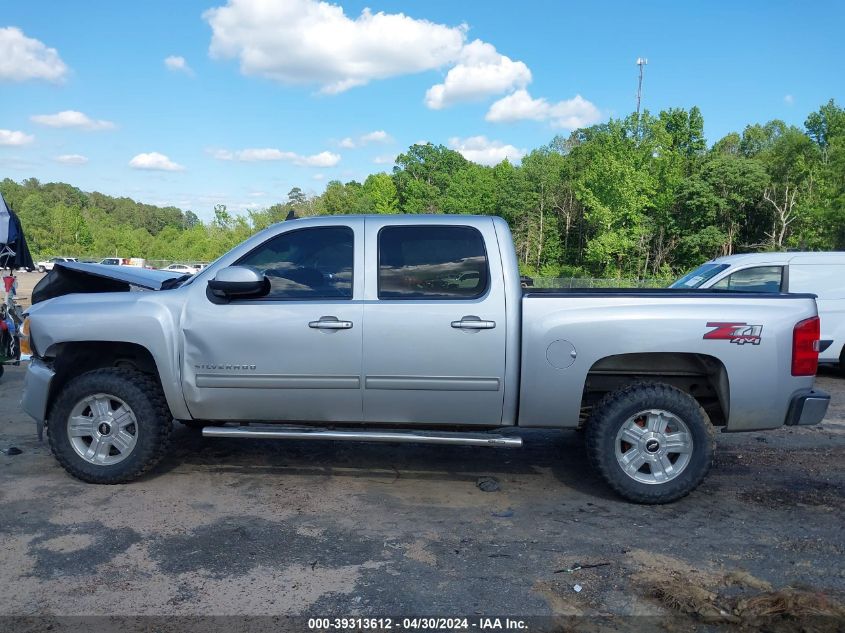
(740, 340)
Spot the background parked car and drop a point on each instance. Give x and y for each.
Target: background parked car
(185, 269)
(48, 264)
(138, 262)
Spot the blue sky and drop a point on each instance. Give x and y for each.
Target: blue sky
(275, 94)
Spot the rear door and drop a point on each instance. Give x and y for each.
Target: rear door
(434, 323)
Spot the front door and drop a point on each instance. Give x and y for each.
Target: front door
(293, 355)
(434, 324)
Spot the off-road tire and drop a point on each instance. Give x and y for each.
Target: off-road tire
(616, 408)
(143, 394)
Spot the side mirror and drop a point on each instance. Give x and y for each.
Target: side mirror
(239, 281)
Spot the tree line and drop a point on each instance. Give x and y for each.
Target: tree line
(635, 197)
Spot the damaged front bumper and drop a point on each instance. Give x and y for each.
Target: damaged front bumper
(36, 391)
(808, 407)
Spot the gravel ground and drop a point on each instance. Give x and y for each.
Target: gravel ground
(286, 528)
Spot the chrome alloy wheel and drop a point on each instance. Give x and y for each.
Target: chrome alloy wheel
(653, 446)
(102, 429)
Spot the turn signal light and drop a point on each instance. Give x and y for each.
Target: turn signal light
(805, 347)
(26, 348)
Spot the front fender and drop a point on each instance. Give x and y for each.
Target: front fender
(147, 319)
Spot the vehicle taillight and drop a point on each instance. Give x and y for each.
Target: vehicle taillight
(805, 347)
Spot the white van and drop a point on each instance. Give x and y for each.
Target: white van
(822, 274)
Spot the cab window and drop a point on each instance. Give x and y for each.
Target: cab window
(756, 279)
(313, 263)
(431, 262)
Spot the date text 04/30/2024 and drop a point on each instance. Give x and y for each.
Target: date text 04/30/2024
(417, 624)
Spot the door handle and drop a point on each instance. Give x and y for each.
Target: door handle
(330, 323)
(472, 322)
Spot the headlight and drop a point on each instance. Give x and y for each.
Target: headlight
(26, 346)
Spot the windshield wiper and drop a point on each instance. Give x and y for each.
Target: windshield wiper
(168, 284)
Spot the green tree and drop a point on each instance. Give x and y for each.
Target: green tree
(381, 194)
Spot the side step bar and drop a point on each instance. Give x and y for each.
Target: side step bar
(404, 437)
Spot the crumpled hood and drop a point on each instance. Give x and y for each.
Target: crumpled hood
(73, 277)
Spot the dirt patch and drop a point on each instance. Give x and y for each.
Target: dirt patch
(68, 543)
(733, 598)
(800, 493)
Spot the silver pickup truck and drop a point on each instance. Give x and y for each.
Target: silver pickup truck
(408, 329)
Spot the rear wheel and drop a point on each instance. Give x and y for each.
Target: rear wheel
(652, 443)
(41, 269)
(109, 426)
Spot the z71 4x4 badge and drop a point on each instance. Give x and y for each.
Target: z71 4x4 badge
(739, 333)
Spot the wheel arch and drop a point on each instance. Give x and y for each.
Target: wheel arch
(702, 376)
(74, 358)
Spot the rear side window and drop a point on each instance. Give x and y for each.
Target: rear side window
(431, 262)
(306, 264)
(757, 279)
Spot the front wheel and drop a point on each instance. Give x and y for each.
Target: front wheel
(109, 426)
(651, 442)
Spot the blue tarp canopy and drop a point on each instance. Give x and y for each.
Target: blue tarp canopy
(14, 253)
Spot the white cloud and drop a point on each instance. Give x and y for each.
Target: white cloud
(15, 137)
(386, 159)
(72, 118)
(376, 136)
(569, 114)
(23, 58)
(177, 63)
(154, 161)
(263, 154)
(318, 177)
(220, 154)
(481, 71)
(789, 100)
(480, 150)
(308, 41)
(323, 159)
(72, 159)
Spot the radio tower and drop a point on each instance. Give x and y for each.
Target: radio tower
(641, 62)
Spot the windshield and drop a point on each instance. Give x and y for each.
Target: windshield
(695, 278)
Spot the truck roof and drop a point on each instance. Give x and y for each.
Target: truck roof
(399, 218)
